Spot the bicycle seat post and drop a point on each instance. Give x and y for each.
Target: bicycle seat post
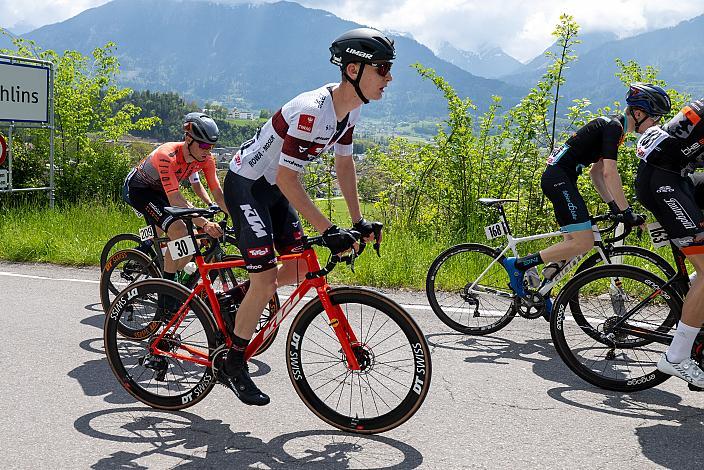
(504, 219)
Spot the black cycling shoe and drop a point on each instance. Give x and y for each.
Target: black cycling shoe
(244, 388)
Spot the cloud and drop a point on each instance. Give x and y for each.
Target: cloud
(19, 14)
(522, 28)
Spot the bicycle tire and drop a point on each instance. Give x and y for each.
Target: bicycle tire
(594, 360)
(650, 258)
(452, 303)
(132, 266)
(117, 243)
(408, 356)
(139, 373)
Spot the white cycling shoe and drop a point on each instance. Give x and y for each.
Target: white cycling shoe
(687, 370)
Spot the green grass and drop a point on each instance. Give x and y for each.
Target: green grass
(72, 235)
(75, 235)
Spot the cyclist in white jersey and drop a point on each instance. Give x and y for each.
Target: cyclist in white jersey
(263, 192)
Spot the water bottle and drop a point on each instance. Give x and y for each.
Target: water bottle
(187, 274)
(531, 278)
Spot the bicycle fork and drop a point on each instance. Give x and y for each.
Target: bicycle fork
(338, 322)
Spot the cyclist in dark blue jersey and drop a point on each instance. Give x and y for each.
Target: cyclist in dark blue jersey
(595, 144)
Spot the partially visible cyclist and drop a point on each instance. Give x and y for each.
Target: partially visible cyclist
(154, 183)
(669, 154)
(595, 144)
(264, 192)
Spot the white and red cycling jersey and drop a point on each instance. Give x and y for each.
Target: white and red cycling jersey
(296, 134)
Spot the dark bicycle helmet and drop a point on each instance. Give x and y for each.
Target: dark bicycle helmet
(652, 99)
(364, 45)
(201, 127)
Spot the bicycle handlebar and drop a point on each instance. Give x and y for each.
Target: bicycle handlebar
(615, 222)
(309, 242)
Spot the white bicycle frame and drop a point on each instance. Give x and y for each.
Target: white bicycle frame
(514, 241)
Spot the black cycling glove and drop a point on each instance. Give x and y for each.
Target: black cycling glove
(365, 227)
(613, 207)
(338, 239)
(631, 219)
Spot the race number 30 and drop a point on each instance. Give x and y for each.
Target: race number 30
(181, 247)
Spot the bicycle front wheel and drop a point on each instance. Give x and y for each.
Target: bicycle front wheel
(391, 350)
(152, 377)
(585, 332)
(468, 289)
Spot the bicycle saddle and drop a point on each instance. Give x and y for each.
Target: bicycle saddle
(488, 201)
(182, 212)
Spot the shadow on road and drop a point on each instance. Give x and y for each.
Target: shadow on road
(98, 321)
(673, 442)
(185, 440)
(501, 351)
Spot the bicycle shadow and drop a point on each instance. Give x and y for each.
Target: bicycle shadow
(673, 442)
(97, 321)
(96, 307)
(185, 440)
(499, 350)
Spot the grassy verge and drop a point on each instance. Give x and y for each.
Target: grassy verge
(75, 235)
(72, 235)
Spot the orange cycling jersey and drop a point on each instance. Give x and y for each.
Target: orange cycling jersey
(165, 167)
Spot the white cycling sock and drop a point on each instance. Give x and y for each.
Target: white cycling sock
(681, 347)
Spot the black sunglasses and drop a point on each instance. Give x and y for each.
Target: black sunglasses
(382, 68)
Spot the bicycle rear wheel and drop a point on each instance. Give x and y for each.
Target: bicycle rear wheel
(485, 308)
(122, 269)
(393, 354)
(156, 379)
(123, 241)
(586, 338)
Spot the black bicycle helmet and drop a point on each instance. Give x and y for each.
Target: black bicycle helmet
(364, 45)
(652, 99)
(201, 127)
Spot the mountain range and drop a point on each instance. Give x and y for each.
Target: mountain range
(259, 56)
(488, 61)
(253, 56)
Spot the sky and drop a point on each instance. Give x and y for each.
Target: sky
(520, 27)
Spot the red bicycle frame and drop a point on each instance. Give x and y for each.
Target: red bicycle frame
(337, 319)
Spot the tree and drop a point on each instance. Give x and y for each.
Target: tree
(88, 123)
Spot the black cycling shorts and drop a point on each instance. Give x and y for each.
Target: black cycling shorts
(263, 219)
(150, 203)
(672, 198)
(570, 209)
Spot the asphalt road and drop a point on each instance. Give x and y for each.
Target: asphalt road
(504, 401)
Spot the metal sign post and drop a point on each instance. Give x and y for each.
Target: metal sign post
(26, 101)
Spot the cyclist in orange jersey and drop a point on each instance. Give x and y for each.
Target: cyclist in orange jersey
(154, 183)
